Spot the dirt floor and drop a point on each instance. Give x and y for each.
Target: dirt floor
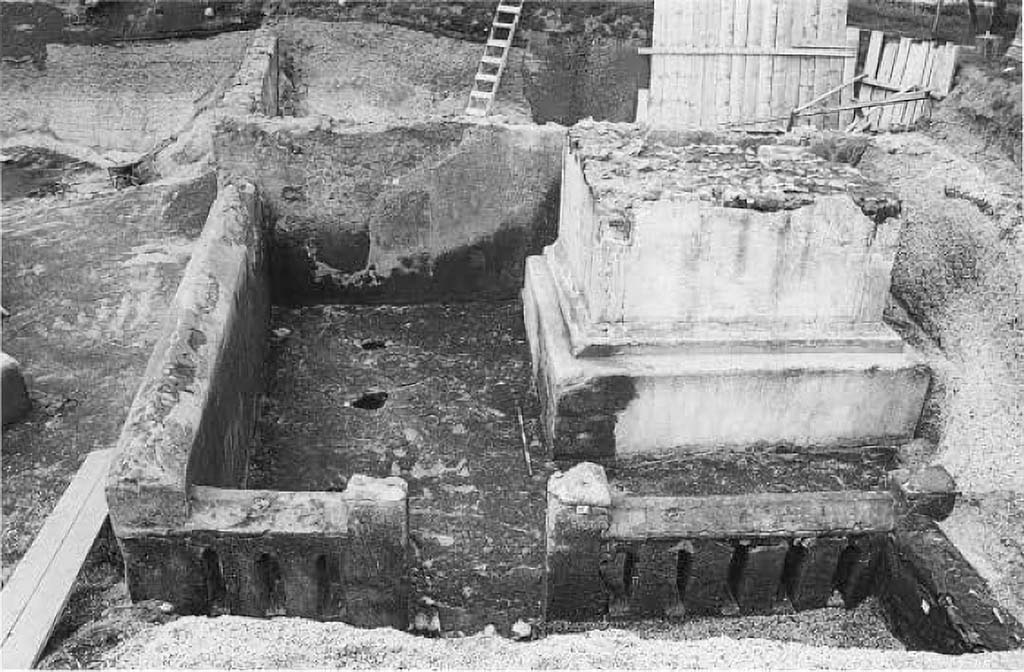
(433, 394)
(366, 72)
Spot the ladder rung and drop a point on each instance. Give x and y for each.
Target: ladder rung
(483, 76)
(501, 44)
(504, 26)
(494, 60)
(481, 94)
(509, 9)
(476, 111)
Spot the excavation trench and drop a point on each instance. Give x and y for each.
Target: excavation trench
(301, 424)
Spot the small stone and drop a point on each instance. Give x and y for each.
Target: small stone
(521, 630)
(14, 393)
(411, 435)
(459, 429)
(282, 333)
(490, 630)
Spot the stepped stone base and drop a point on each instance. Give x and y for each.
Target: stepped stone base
(714, 394)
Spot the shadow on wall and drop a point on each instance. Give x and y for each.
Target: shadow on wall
(569, 77)
(433, 211)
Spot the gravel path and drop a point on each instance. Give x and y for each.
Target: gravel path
(233, 642)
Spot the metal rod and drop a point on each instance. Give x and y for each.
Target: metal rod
(526, 446)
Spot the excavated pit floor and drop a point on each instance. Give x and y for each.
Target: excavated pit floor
(432, 393)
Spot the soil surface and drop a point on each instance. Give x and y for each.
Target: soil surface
(767, 470)
(431, 393)
(367, 72)
(82, 326)
(125, 97)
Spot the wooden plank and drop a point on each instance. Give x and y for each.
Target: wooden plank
(921, 106)
(642, 101)
(913, 75)
(686, 76)
(712, 11)
(752, 66)
(822, 65)
(838, 51)
(782, 100)
(807, 20)
(723, 86)
(837, 35)
(874, 53)
(33, 565)
(898, 68)
(764, 78)
(849, 71)
(761, 514)
(37, 591)
(884, 73)
(942, 71)
(737, 75)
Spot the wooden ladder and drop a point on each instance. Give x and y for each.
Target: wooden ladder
(492, 64)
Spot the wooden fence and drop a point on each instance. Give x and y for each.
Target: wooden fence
(719, 61)
(895, 65)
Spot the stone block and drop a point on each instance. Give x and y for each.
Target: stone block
(577, 562)
(758, 575)
(15, 399)
(929, 491)
(648, 402)
(810, 576)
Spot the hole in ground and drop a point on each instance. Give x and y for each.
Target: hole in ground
(373, 344)
(371, 401)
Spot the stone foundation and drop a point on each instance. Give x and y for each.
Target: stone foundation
(705, 295)
(190, 533)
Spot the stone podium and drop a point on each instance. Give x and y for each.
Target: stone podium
(705, 296)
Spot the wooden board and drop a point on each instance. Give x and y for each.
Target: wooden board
(849, 71)
(745, 62)
(898, 66)
(762, 514)
(34, 597)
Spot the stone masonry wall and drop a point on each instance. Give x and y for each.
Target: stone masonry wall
(193, 416)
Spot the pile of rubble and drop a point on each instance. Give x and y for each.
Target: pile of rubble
(623, 163)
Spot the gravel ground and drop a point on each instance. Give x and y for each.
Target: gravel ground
(959, 270)
(364, 72)
(233, 642)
